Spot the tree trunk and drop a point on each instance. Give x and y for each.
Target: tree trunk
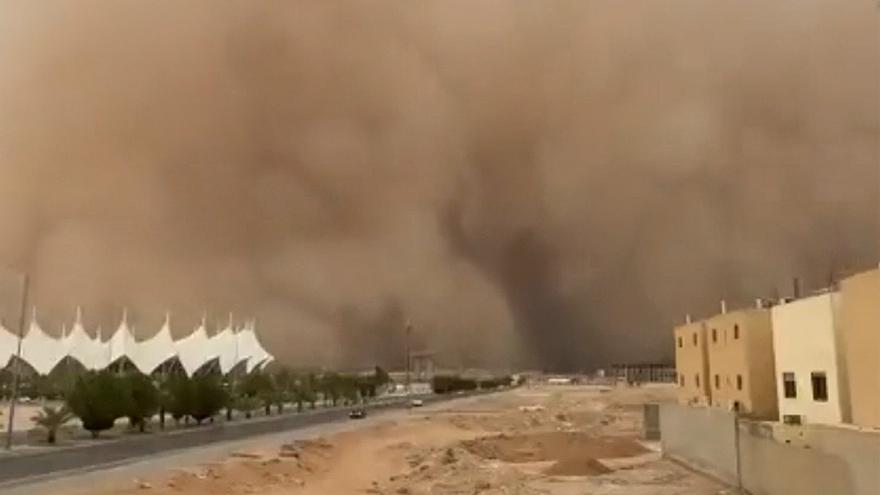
(228, 414)
(162, 418)
(268, 409)
(51, 438)
(95, 434)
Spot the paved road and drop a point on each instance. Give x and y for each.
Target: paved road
(21, 473)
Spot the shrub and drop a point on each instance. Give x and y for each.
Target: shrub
(177, 396)
(52, 419)
(143, 400)
(493, 383)
(208, 397)
(447, 384)
(247, 405)
(260, 386)
(98, 399)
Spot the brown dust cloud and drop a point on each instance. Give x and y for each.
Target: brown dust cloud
(531, 183)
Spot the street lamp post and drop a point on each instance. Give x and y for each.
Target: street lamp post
(408, 352)
(16, 377)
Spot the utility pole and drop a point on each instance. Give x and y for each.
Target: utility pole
(408, 352)
(16, 371)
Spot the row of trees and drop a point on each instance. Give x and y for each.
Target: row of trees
(99, 399)
(447, 384)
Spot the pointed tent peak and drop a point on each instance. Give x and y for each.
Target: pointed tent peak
(79, 316)
(231, 320)
(33, 314)
(205, 318)
(125, 316)
(167, 318)
(64, 329)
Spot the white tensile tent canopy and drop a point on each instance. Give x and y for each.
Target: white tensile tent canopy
(44, 352)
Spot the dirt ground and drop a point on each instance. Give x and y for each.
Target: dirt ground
(534, 440)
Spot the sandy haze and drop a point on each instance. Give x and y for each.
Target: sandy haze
(546, 183)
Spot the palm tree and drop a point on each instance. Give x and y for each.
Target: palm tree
(52, 419)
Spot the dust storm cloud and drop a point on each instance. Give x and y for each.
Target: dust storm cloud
(537, 183)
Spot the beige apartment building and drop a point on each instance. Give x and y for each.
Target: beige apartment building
(741, 362)
(860, 331)
(692, 364)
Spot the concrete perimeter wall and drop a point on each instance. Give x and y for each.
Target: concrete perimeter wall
(819, 460)
(700, 436)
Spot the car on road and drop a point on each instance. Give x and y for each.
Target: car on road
(358, 413)
(416, 403)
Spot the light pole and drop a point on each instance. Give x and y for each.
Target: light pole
(407, 350)
(16, 371)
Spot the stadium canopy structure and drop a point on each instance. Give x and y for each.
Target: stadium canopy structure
(228, 349)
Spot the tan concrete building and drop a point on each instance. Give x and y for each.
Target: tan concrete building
(860, 331)
(692, 364)
(741, 362)
(809, 376)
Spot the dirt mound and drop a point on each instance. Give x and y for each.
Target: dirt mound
(577, 467)
(555, 445)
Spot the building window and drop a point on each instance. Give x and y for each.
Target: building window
(681, 380)
(739, 382)
(789, 385)
(714, 335)
(695, 339)
(735, 332)
(717, 382)
(820, 386)
(697, 380)
(680, 343)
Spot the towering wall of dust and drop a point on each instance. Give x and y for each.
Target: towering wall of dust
(552, 183)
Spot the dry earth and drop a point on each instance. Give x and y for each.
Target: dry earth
(543, 440)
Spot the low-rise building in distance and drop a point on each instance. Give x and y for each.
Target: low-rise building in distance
(741, 362)
(692, 364)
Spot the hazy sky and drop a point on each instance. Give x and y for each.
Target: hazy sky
(550, 183)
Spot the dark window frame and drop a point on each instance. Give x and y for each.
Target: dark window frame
(739, 382)
(789, 387)
(819, 384)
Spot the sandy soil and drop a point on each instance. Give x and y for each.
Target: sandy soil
(545, 440)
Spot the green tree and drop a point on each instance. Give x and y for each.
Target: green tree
(177, 395)
(310, 390)
(208, 397)
(247, 405)
(330, 386)
(143, 400)
(381, 377)
(98, 399)
(52, 419)
(286, 388)
(260, 385)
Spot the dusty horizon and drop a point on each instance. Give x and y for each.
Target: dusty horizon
(549, 184)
